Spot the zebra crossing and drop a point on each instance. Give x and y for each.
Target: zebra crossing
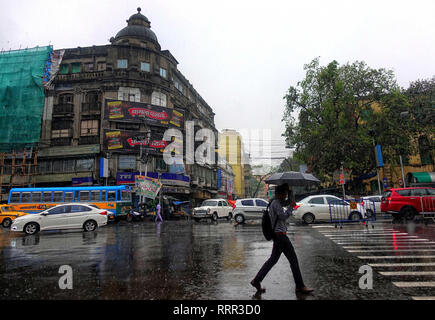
(408, 260)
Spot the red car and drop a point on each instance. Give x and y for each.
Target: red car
(408, 202)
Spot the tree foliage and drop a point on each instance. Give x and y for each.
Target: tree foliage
(336, 106)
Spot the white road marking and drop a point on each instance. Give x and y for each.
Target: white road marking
(389, 250)
(399, 246)
(423, 298)
(408, 273)
(414, 284)
(415, 264)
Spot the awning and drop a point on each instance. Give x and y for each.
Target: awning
(421, 177)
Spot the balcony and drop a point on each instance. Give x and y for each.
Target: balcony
(96, 75)
(91, 108)
(66, 109)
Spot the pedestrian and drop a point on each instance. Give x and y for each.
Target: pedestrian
(158, 216)
(281, 243)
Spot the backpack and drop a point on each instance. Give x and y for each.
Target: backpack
(266, 224)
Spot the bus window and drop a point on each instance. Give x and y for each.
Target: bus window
(103, 195)
(84, 196)
(46, 196)
(36, 196)
(95, 195)
(111, 196)
(15, 197)
(68, 196)
(25, 197)
(125, 195)
(58, 196)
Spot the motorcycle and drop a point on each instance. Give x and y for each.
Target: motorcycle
(135, 216)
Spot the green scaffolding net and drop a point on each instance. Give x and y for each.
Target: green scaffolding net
(22, 96)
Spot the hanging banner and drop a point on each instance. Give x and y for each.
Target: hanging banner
(147, 187)
(142, 112)
(52, 66)
(120, 140)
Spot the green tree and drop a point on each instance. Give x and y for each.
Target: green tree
(329, 114)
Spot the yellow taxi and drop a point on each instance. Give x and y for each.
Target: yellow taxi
(7, 214)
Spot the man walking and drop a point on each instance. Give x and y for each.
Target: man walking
(158, 216)
(281, 243)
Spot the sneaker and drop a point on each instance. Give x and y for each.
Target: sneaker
(257, 286)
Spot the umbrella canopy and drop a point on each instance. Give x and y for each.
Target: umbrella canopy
(293, 178)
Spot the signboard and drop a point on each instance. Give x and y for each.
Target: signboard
(143, 112)
(385, 182)
(84, 181)
(104, 168)
(166, 178)
(342, 178)
(147, 187)
(378, 152)
(219, 178)
(121, 140)
(337, 175)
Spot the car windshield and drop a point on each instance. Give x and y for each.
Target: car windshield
(209, 203)
(6, 209)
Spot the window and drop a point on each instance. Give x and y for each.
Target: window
(178, 86)
(431, 192)
(68, 196)
(76, 67)
(208, 203)
(127, 161)
(221, 204)
(145, 66)
(88, 67)
(84, 196)
(249, 203)
(332, 200)
(158, 99)
(111, 196)
(225, 204)
(78, 208)
(419, 192)
(125, 195)
(57, 166)
(404, 193)
(64, 69)
(163, 72)
(103, 195)
(46, 196)
(122, 63)
(101, 66)
(85, 164)
(89, 128)
(160, 164)
(63, 133)
(261, 203)
(129, 94)
(318, 200)
(58, 196)
(36, 196)
(25, 197)
(95, 195)
(15, 197)
(68, 165)
(59, 210)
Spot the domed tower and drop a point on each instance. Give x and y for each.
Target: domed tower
(137, 32)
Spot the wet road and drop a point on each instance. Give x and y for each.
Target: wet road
(206, 260)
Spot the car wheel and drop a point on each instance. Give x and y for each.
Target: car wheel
(355, 216)
(408, 213)
(90, 225)
(214, 217)
(230, 216)
(7, 223)
(240, 219)
(31, 228)
(308, 218)
(197, 219)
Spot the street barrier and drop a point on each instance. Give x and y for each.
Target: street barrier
(352, 210)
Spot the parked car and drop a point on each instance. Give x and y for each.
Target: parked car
(214, 209)
(250, 208)
(8, 214)
(315, 208)
(408, 202)
(64, 216)
(371, 201)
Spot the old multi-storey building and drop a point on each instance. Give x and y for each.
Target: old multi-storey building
(113, 100)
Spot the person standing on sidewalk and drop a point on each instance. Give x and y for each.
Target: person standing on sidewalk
(158, 216)
(281, 243)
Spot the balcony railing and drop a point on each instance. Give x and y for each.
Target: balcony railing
(60, 142)
(89, 140)
(91, 107)
(63, 109)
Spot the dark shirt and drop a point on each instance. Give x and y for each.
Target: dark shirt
(277, 211)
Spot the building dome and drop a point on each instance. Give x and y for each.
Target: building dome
(138, 27)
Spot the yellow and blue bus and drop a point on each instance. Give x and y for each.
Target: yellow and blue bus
(114, 199)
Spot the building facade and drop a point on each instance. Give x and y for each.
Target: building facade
(116, 102)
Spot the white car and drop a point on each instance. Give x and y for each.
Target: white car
(247, 209)
(64, 216)
(372, 201)
(214, 209)
(316, 208)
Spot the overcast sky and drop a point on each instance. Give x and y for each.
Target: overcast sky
(242, 55)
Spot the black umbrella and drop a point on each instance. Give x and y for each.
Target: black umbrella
(293, 178)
